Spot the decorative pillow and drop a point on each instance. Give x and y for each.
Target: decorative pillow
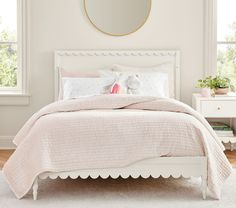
(81, 87)
(73, 74)
(166, 67)
(150, 84)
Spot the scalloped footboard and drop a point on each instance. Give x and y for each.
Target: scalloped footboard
(154, 167)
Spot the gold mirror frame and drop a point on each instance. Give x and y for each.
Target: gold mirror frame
(107, 33)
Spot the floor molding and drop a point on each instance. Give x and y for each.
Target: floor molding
(6, 142)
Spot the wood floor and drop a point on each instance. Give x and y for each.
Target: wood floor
(232, 157)
(5, 154)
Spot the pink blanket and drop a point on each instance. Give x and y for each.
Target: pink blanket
(112, 131)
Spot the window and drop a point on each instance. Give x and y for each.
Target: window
(12, 47)
(226, 39)
(8, 44)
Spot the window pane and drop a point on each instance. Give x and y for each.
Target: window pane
(8, 47)
(8, 20)
(226, 61)
(8, 65)
(226, 20)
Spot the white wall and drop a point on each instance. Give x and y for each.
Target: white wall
(62, 24)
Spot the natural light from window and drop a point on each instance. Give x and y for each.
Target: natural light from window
(226, 38)
(8, 44)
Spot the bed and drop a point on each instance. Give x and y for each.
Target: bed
(196, 165)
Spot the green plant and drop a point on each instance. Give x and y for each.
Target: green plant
(205, 83)
(221, 82)
(215, 83)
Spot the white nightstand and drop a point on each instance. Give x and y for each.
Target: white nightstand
(218, 107)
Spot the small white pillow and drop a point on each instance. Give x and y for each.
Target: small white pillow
(151, 84)
(81, 87)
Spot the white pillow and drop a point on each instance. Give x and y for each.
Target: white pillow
(81, 87)
(167, 67)
(152, 84)
(63, 73)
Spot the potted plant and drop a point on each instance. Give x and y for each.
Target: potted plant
(221, 85)
(206, 86)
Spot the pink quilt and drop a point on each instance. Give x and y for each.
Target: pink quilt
(112, 131)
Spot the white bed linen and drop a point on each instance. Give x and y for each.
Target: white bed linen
(112, 131)
(151, 83)
(86, 86)
(166, 68)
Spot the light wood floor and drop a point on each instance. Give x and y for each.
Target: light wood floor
(5, 154)
(232, 157)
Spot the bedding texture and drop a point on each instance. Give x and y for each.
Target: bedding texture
(109, 131)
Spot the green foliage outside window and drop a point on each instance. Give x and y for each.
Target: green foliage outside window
(8, 60)
(226, 63)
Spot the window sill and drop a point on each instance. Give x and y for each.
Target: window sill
(14, 99)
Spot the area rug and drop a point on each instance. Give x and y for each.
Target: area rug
(139, 193)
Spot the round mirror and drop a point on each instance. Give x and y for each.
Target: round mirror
(117, 17)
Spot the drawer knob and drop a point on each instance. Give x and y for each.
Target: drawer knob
(218, 108)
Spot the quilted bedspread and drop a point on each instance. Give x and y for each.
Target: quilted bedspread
(110, 131)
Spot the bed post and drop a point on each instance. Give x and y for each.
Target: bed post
(35, 189)
(204, 187)
(204, 179)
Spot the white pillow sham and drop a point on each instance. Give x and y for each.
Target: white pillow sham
(63, 73)
(151, 84)
(167, 67)
(81, 87)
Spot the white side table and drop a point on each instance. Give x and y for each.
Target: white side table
(218, 107)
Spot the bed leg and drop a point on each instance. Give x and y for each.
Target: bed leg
(204, 187)
(231, 147)
(35, 189)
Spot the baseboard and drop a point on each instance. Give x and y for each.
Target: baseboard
(6, 142)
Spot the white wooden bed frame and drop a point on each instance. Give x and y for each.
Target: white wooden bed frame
(155, 167)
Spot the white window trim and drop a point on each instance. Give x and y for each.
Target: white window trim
(21, 94)
(210, 39)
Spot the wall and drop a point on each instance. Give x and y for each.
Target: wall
(62, 24)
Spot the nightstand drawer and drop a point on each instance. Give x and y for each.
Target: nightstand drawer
(218, 109)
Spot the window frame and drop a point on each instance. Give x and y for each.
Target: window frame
(220, 42)
(210, 40)
(20, 93)
(210, 37)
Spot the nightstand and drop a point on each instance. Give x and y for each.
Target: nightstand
(218, 107)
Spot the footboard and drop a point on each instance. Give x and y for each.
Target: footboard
(155, 167)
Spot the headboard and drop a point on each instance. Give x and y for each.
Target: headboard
(93, 60)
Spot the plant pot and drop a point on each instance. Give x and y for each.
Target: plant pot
(206, 92)
(221, 91)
